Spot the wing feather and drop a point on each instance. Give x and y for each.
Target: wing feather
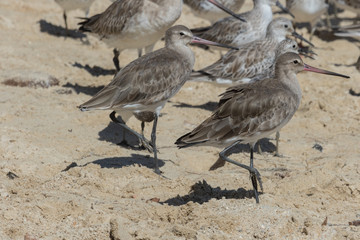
(114, 19)
(243, 114)
(248, 62)
(224, 31)
(153, 78)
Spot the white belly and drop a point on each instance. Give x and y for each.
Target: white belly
(68, 5)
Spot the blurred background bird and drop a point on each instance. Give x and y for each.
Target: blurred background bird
(69, 5)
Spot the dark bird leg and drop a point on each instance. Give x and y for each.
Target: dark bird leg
(116, 59)
(142, 132)
(146, 143)
(153, 141)
(142, 127)
(254, 173)
(65, 20)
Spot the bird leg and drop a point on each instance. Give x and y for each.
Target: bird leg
(149, 49)
(116, 59)
(145, 143)
(254, 173)
(153, 141)
(65, 20)
(142, 127)
(277, 137)
(259, 149)
(139, 52)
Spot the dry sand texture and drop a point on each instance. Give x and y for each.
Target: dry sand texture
(114, 193)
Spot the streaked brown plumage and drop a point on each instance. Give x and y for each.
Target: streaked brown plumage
(133, 24)
(251, 60)
(249, 112)
(143, 87)
(204, 9)
(233, 32)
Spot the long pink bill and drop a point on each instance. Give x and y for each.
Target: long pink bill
(317, 70)
(207, 42)
(225, 9)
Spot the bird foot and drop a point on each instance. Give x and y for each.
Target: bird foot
(255, 179)
(276, 154)
(127, 145)
(146, 144)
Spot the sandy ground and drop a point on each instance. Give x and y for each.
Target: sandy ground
(114, 189)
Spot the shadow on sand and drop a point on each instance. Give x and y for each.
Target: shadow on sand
(88, 90)
(202, 192)
(209, 106)
(113, 133)
(119, 162)
(58, 31)
(95, 71)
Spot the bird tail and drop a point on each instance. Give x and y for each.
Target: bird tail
(101, 101)
(87, 23)
(181, 142)
(200, 76)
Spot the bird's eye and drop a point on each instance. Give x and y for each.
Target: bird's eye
(296, 62)
(286, 26)
(182, 34)
(294, 46)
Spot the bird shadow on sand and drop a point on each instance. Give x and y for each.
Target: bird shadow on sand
(209, 106)
(88, 90)
(119, 162)
(202, 192)
(113, 133)
(265, 146)
(58, 31)
(95, 71)
(326, 34)
(329, 36)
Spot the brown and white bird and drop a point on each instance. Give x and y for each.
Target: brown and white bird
(134, 24)
(142, 88)
(233, 32)
(251, 60)
(249, 112)
(262, 67)
(204, 9)
(309, 11)
(69, 5)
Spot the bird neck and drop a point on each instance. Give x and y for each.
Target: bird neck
(263, 13)
(263, 8)
(275, 36)
(289, 80)
(184, 50)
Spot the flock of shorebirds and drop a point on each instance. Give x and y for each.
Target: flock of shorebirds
(259, 68)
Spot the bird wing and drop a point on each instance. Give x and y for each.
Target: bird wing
(114, 19)
(223, 31)
(247, 62)
(244, 112)
(150, 79)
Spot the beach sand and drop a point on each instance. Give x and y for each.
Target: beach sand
(312, 192)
